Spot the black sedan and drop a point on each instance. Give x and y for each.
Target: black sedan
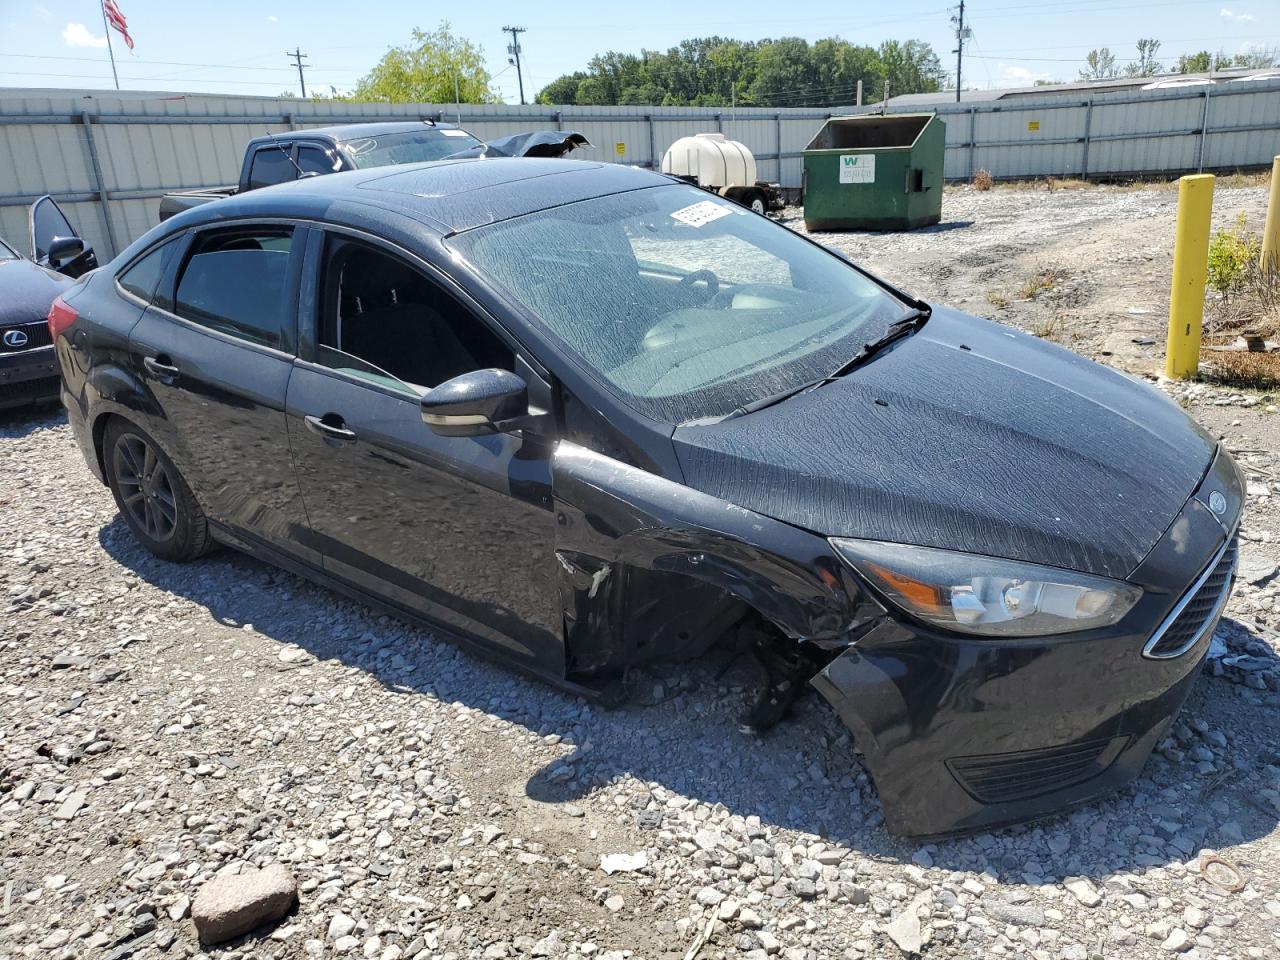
(582, 417)
(28, 371)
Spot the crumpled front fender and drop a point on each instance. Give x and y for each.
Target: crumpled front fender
(612, 517)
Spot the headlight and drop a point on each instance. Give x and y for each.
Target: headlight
(984, 595)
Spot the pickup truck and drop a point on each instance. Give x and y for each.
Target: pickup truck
(279, 158)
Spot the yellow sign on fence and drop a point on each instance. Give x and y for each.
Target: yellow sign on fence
(1033, 125)
(619, 148)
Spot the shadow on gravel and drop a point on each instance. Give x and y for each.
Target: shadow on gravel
(23, 421)
(1201, 790)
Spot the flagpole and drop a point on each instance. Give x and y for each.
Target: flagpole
(107, 28)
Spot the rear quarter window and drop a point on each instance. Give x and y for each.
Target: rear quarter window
(143, 276)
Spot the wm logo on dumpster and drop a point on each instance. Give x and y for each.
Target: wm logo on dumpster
(858, 168)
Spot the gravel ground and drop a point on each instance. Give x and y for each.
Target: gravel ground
(166, 725)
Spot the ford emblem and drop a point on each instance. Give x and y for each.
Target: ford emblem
(15, 338)
(1217, 503)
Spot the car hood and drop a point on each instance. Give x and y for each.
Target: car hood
(970, 436)
(27, 291)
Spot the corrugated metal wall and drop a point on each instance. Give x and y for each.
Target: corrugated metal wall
(1223, 126)
(133, 148)
(108, 158)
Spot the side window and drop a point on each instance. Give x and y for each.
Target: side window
(315, 160)
(143, 276)
(235, 282)
(383, 320)
(47, 223)
(270, 165)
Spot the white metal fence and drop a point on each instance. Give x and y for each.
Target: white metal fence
(1221, 126)
(108, 158)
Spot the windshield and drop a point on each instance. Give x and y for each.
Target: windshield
(684, 305)
(417, 146)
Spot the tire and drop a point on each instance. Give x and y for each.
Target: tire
(151, 495)
(756, 202)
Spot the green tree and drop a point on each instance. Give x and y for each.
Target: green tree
(425, 71)
(1260, 59)
(563, 90)
(780, 72)
(1146, 65)
(1100, 65)
(1200, 62)
(910, 67)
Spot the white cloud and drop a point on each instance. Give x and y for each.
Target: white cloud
(78, 35)
(273, 19)
(1011, 76)
(41, 12)
(1232, 15)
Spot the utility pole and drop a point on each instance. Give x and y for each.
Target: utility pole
(963, 33)
(513, 50)
(297, 57)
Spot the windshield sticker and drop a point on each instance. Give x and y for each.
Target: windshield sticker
(700, 214)
(358, 147)
(455, 133)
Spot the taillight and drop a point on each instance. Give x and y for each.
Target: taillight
(61, 316)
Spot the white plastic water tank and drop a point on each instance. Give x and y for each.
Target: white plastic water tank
(714, 160)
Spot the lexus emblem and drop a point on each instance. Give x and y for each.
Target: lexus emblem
(1217, 503)
(15, 338)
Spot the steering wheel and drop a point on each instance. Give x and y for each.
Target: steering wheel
(712, 281)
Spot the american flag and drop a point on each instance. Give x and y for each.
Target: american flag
(117, 21)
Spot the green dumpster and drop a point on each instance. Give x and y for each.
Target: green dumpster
(879, 172)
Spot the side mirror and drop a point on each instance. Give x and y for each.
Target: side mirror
(64, 248)
(476, 404)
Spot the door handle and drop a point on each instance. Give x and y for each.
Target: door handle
(163, 372)
(335, 429)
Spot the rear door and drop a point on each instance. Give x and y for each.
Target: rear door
(216, 351)
(459, 529)
(47, 224)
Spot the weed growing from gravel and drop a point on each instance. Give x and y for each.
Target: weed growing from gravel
(1042, 281)
(1231, 253)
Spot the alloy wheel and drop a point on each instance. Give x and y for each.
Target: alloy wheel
(146, 490)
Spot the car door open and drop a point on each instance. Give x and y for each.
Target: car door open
(55, 243)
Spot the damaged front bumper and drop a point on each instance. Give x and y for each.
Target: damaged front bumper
(965, 734)
(962, 733)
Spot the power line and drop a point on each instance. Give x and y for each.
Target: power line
(513, 48)
(298, 56)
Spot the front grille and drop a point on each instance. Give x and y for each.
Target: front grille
(1006, 777)
(37, 336)
(1196, 611)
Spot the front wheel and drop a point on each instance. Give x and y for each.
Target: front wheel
(757, 203)
(151, 495)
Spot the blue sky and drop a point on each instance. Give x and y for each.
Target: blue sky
(239, 47)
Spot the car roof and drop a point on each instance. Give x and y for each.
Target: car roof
(445, 196)
(350, 131)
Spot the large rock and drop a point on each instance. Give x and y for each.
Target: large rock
(230, 906)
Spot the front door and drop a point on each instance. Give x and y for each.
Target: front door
(458, 529)
(216, 351)
(48, 226)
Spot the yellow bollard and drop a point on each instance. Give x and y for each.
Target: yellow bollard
(1190, 269)
(1271, 232)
